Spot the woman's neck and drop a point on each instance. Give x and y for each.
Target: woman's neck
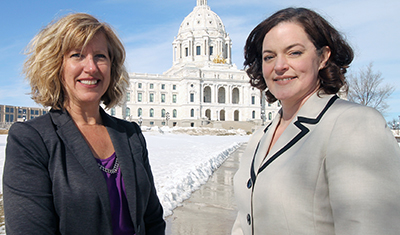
(290, 109)
(84, 115)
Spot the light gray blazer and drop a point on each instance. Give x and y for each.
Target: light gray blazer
(334, 170)
(52, 184)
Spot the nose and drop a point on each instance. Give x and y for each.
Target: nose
(281, 65)
(90, 65)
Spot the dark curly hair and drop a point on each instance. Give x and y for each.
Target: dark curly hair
(320, 32)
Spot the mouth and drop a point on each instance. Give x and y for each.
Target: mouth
(89, 82)
(281, 79)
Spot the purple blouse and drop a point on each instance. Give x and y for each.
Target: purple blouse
(120, 216)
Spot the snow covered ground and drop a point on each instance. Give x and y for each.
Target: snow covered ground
(180, 162)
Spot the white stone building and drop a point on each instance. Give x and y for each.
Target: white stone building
(202, 88)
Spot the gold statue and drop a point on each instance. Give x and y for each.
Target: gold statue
(219, 60)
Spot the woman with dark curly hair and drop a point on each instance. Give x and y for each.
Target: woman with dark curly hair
(323, 165)
(77, 170)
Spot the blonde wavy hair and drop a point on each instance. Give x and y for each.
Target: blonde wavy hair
(44, 64)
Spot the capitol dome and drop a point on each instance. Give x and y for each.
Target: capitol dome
(202, 19)
(202, 39)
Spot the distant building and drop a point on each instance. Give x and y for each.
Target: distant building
(202, 87)
(10, 114)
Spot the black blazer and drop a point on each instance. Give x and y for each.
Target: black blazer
(52, 184)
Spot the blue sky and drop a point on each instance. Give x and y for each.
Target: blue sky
(147, 29)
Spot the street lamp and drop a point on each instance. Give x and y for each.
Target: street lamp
(140, 121)
(167, 117)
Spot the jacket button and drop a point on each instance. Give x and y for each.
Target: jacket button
(249, 219)
(249, 183)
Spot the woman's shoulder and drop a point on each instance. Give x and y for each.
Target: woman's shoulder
(354, 110)
(37, 124)
(347, 115)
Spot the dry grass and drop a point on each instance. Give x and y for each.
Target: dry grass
(1, 211)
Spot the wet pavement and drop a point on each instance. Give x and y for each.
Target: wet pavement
(212, 208)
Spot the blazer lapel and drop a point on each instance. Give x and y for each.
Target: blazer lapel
(265, 142)
(309, 115)
(73, 139)
(123, 150)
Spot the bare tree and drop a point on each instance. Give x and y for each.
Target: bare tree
(394, 124)
(366, 88)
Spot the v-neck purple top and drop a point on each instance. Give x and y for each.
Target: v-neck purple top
(120, 216)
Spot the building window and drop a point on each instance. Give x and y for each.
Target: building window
(139, 85)
(235, 96)
(113, 112)
(151, 97)
(10, 118)
(253, 114)
(207, 94)
(222, 115)
(221, 95)
(173, 87)
(174, 98)
(187, 52)
(198, 50)
(208, 114)
(269, 116)
(162, 98)
(151, 86)
(191, 97)
(192, 112)
(162, 86)
(151, 123)
(236, 115)
(128, 112)
(163, 113)
(139, 97)
(174, 113)
(128, 96)
(253, 99)
(211, 50)
(139, 112)
(151, 112)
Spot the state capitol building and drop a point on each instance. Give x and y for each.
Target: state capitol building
(202, 88)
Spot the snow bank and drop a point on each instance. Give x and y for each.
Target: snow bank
(181, 163)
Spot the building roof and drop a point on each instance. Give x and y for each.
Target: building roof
(202, 19)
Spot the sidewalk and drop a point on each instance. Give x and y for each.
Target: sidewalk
(212, 208)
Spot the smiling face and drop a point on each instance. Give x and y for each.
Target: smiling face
(291, 63)
(87, 72)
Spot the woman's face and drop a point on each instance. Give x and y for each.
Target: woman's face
(290, 63)
(87, 72)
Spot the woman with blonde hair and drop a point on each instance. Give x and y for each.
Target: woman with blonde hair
(77, 170)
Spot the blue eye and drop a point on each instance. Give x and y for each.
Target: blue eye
(296, 53)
